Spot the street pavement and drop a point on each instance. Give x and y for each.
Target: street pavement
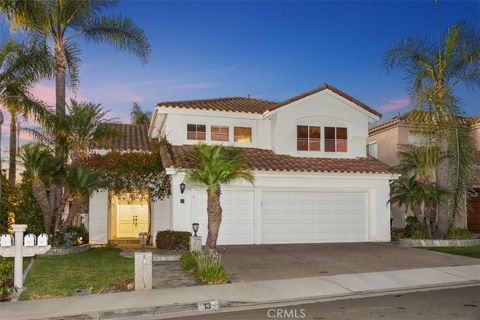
(448, 304)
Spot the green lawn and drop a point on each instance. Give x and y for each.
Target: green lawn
(473, 251)
(55, 276)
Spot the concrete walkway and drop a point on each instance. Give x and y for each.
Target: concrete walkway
(248, 294)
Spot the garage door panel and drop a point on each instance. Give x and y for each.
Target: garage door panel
(303, 217)
(237, 216)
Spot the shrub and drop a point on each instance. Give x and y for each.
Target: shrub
(210, 270)
(6, 280)
(173, 240)
(27, 211)
(188, 260)
(415, 229)
(123, 284)
(71, 236)
(397, 233)
(459, 233)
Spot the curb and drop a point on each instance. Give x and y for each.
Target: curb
(191, 309)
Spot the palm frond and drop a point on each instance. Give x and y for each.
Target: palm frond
(121, 33)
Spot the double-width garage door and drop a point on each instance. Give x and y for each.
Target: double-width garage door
(309, 217)
(288, 217)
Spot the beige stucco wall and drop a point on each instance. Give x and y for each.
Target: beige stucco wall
(387, 141)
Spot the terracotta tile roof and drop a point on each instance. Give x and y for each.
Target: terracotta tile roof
(231, 104)
(404, 119)
(131, 137)
(333, 89)
(267, 160)
(253, 105)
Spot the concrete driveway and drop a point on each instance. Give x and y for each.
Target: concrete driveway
(269, 262)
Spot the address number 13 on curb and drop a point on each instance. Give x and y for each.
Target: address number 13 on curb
(208, 305)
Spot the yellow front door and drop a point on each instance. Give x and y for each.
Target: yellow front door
(129, 215)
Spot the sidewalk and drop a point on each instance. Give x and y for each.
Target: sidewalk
(178, 300)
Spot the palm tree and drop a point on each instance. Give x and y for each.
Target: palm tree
(33, 63)
(60, 23)
(405, 192)
(213, 166)
(84, 126)
(434, 71)
(83, 182)
(1, 172)
(138, 116)
(43, 169)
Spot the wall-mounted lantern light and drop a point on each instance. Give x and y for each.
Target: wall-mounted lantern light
(195, 227)
(182, 187)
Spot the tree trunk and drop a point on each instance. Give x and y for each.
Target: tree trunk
(12, 163)
(60, 94)
(40, 194)
(214, 211)
(417, 212)
(73, 212)
(61, 208)
(442, 181)
(1, 174)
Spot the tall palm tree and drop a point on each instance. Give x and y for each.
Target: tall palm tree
(1, 172)
(60, 23)
(33, 63)
(138, 116)
(434, 71)
(213, 166)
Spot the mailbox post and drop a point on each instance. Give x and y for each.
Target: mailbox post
(20, 250)
(18, 229)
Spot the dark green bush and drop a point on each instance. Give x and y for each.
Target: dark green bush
(173, 240)
(415, 229)
(188, 260)
(27, 211)
(397, 233)
(459, 233)
(6, 279)
(71, 236)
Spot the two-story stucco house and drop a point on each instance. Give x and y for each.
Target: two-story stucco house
(387, 138)
(313, 180)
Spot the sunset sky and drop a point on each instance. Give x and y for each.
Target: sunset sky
(269, 50)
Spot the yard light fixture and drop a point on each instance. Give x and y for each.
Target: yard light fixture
(182, 187)
(195, 227)
(143, 239)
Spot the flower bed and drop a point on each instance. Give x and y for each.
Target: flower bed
(438, 242)
(70, 250)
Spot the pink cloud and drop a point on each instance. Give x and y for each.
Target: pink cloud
(395, 104)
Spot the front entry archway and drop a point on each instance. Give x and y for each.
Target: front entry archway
(129, 215)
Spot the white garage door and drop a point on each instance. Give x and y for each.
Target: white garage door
(237, 218)
(309, 217)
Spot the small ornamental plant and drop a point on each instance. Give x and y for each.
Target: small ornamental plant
(207, 269)
(7, 287)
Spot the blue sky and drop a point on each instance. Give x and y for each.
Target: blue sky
(270, 50)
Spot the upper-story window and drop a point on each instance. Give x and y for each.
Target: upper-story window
(196, 131)
(308, 138)
(219, 133)
(335, 139)
(242, 134)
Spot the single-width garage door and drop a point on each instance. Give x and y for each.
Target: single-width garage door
(237, 218)
(309, 217)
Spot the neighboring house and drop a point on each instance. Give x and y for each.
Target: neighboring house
(313, 180)
(387, 138)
